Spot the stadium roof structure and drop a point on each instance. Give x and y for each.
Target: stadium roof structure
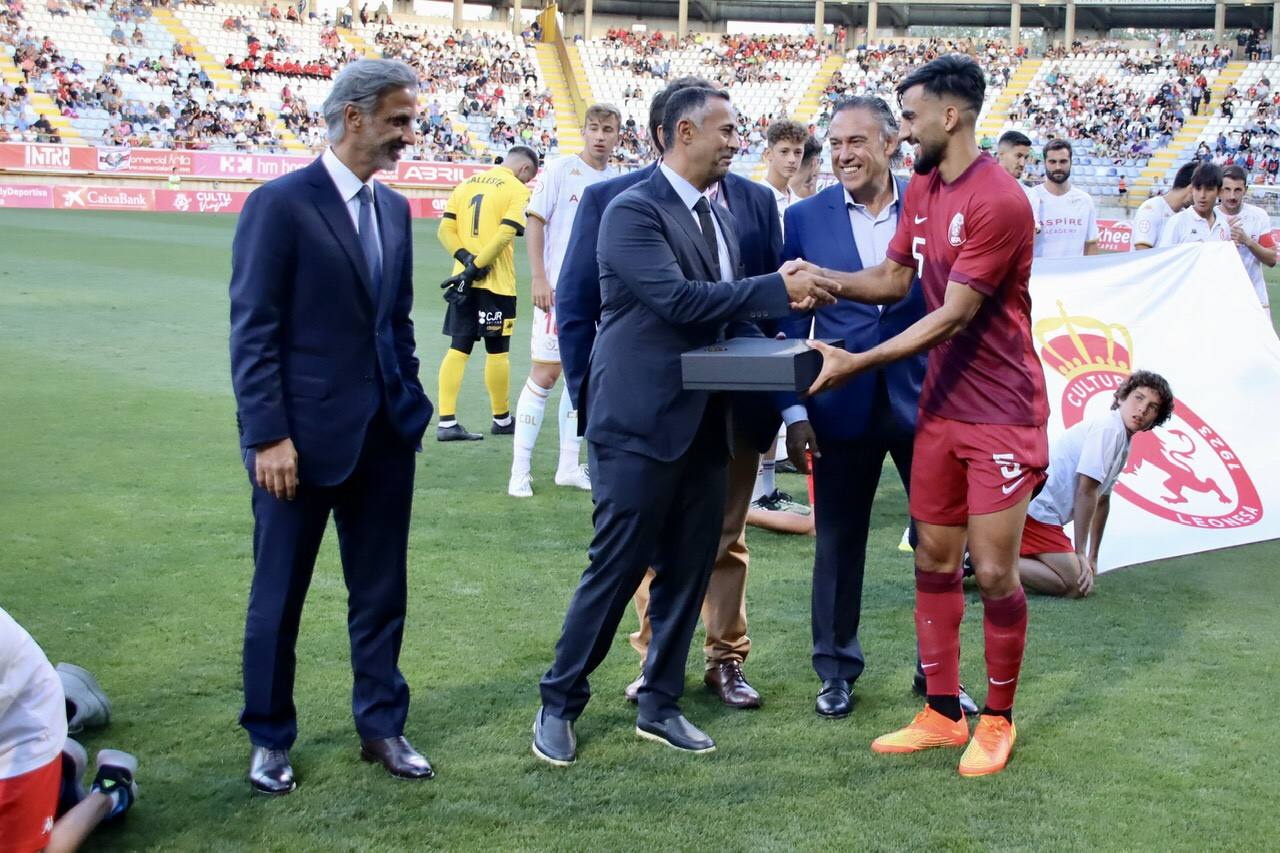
(1090, 15)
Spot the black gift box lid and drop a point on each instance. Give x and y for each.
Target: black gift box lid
(752, 364)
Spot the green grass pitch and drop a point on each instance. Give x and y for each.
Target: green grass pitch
(1147, 715)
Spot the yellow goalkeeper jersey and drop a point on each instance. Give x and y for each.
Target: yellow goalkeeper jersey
(485, 214)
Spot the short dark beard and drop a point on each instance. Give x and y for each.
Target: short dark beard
(1053, 176)
(928, 159)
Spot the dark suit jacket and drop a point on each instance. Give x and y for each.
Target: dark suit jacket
(759, 242)
(312, 356)
(660, 297)
(578, 288)
(755, 215)
(819, 231)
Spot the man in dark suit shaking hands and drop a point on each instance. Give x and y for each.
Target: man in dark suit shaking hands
(330, 411)
(658, 454)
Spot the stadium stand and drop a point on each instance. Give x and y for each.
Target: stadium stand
(770, 78)
(246, 77)
(1117, 106)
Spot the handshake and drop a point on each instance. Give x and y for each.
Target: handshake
(807, 285)
(457, 288)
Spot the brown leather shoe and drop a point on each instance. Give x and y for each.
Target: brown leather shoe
(398, 757)
(726, 680)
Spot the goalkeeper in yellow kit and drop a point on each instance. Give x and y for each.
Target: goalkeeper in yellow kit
(485, 213)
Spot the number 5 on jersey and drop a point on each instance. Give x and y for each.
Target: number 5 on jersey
(917, 252)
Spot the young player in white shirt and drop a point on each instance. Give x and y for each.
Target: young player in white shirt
(1084, 464)
(1250, 229)
(1066, 221)
(1201, 222)
(1012, 152)
(1149, 221)
(551, 211)
(782, 156)
(783, 152)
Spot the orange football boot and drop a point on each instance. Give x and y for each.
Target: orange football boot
(928, 730)
(989, 750)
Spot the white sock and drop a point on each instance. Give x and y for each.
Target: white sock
(570, 441)
(764, 480)
(529, 409)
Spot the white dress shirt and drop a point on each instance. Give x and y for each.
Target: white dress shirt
(689, 195)
(871, 236)
(348, 188)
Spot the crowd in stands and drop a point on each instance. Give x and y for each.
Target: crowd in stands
(1126, 114)
(875, 71)
(1253, 143)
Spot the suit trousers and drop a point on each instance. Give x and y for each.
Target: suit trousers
(845, 479)
(647, 513)
(370, 510)
(724, 610)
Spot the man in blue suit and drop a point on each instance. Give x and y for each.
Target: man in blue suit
(755, 420)
(850, 430)
(331, 412)
(668, 262)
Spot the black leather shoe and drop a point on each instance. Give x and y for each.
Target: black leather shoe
(398, 756)
(270, 771)
(835, 699)
(509, 428)
(921, 688)
(553, 739)
(457, 432)
(677, 733)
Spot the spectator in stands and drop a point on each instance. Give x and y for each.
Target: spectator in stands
(1201, 222)
(1066, 221)
(138, 38)
(1012, 151)
(1250, 229)
(117, 35)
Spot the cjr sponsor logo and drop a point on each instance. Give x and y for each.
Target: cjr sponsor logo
(1185, 472)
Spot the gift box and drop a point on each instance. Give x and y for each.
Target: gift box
(752, 364)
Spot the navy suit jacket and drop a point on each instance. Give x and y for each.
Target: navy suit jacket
(818, 230)
(313, 354)
(660, 297)
(578, 288)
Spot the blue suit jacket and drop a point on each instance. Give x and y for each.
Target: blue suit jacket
(313, 356)
(818, 230)
(660, 297)
(578, 287)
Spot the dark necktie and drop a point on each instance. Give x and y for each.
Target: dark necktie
(703, 209)
(369, 239)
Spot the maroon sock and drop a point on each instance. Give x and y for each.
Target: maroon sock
(939, 611)
(1004, 626)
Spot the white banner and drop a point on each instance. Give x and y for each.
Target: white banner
(1210, 477)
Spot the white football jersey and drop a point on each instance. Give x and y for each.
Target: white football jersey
(1257, 224)
(1187, 226)
(1148, 222)
(555, 201)
(1066, 222)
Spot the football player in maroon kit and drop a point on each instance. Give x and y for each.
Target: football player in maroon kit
(981, 448)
